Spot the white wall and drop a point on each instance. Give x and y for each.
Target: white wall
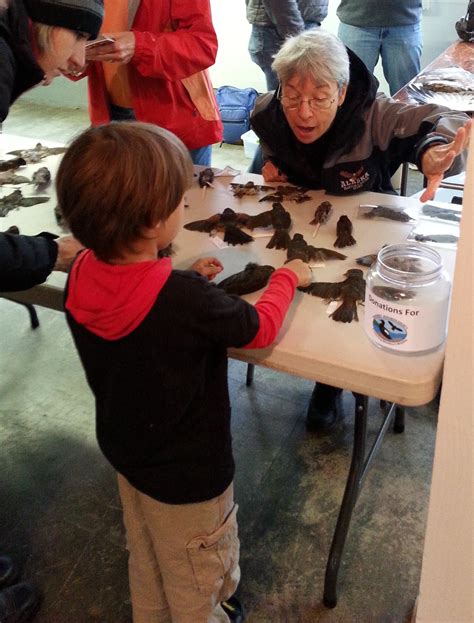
(233, 64)
(447, 575)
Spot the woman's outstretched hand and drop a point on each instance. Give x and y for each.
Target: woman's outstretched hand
(437, 159)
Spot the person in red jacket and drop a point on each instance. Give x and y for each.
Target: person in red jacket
(156, 70)
(153, 343)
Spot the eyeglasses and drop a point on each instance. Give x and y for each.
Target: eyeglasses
(294, 102)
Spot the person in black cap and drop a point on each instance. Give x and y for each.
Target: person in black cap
(55, 43)
(39, 40)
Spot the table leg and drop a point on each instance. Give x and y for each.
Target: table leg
(399, 423)
(348, 501)
(357, 473)
(404, 180)
(250, 372)
(32, 312)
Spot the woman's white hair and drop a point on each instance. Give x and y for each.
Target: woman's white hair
(315, 53)
(43, 35)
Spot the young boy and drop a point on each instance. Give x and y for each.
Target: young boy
(153, 343)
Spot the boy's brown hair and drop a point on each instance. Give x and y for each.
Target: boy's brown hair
(117, 179)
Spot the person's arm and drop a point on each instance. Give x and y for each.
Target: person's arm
(436, 160)
(25, 261)
(405, 132)
(285, 15)
(7, 76)
(232, 322)
(273, 306)
(189, 46)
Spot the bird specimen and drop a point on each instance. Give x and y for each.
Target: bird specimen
(37, 153)
(300, 249)
(350, 292)
(41, 178)
(8, 177)
(281, 223)
(442, 213)
(241, 190)
(441, 238)
(386, 212)
(12, 164)
(321, 215)
(344, 232)
(227, 221)
(206, 177)
(252, 278)
(288, 193)
(16, 200)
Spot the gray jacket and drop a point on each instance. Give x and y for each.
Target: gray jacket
(287, 16)
(379, 13)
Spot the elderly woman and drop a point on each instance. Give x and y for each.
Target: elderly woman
(325, 128)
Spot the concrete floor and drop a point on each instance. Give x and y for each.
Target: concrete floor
(60, 516)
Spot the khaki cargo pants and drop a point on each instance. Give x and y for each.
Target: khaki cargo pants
(184, 558)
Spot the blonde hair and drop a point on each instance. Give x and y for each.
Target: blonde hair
(116, 180)
(315, 53)
(43, 35)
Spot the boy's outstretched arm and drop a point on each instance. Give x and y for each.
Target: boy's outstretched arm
(274, 303)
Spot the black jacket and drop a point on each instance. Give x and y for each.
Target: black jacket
(162, 401)
(25, 261)
(18, 69)
(370, 137)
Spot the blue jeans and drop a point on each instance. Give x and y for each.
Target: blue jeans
(264, 43)
(399, 46)
(202, 155)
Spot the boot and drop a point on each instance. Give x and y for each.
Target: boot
(324, 409)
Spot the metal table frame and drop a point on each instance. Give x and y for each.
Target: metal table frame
(359, 467)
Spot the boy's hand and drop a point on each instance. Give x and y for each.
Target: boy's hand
(302, 271)
(208, 267)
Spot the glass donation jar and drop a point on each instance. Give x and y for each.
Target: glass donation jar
(407, 299)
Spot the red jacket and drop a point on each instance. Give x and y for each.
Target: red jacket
(174, 40)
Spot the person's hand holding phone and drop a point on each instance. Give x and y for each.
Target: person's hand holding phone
(118, 47)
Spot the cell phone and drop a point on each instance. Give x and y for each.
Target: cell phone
(95, 43)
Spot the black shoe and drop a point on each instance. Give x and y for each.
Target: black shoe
(18, 603)
(8, 572)
(234, 610)
(324, 409)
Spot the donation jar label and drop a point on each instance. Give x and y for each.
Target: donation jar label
(406, 327)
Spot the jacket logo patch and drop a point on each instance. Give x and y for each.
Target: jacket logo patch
(353, 180)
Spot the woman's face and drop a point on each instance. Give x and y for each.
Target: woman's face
(310, 109)
(66, 52)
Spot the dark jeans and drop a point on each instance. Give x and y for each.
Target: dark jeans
(117, 113)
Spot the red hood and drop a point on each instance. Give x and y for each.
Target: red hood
(111, 300)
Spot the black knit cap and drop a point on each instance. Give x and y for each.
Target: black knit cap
(79, 15)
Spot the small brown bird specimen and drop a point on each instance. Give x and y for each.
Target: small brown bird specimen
(344, 233)
(350, 292)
